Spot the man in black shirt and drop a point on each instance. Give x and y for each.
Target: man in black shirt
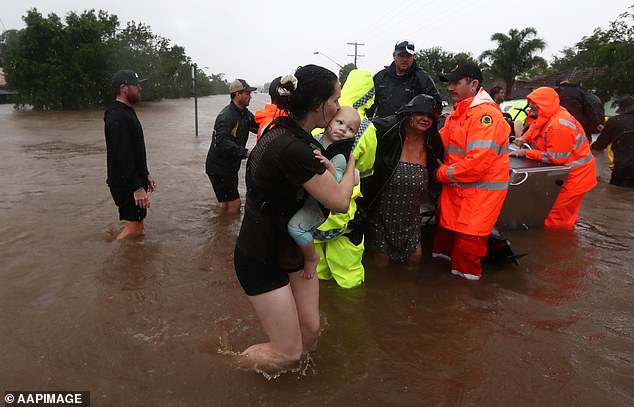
(227, 149)
(128, 177)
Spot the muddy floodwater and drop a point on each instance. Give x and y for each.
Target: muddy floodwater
(155, 321)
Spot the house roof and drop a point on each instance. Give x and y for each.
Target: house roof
(523, 87)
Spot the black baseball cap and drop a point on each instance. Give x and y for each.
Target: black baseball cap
(462, 70)
(404, 46)
(126, 77)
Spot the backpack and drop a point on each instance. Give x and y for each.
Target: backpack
(585, 106)
(594, 110)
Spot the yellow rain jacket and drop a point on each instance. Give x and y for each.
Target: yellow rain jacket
(339, 257)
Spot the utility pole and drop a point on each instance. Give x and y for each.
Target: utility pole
(194, 69)
(356, 45)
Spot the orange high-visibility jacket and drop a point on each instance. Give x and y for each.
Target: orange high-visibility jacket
(558, 138)
(265, 116)
(475, 170)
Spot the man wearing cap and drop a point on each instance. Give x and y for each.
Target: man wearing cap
(619, 131)
(228, 141)
(128, 176)
(474, 173)
(398, 83)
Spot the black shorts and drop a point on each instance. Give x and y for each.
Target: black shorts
(225, 187)
(257, 278)
(124, 199)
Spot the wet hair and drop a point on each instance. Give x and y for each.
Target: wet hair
(495, 90)
(313, 86)
(275, 83)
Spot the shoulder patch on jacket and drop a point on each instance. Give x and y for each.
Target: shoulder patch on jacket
(486, 120)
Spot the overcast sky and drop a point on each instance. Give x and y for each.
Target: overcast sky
(259, 40)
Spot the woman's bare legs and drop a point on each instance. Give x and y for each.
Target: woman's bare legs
(380, 259)
(290, 317)
(306, 294)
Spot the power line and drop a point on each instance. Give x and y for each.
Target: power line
(368, 27)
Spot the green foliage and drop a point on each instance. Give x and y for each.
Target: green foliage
(435, 61)
(345, 71)
(210, 85)
(8, 43)
(34, 65)
(514, 55)
(610, 55)
(55, 64)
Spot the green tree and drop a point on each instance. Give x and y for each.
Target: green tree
(610, 55)
(55, 64)
(345, 71)
(514, 55)
(138, 49)
(210, 85)
(88, 47)
(435, 61)
(8, 43)
(174, 72)
(34, 67)
(218, 84)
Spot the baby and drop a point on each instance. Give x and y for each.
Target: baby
(343, 126)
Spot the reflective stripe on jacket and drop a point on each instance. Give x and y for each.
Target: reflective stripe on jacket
(228, 140)
(558, 138)
(475, 168)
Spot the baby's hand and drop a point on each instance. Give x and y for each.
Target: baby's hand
(326, 162)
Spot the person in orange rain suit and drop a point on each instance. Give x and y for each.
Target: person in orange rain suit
(556, 137)
(474, 174)
(265, 116)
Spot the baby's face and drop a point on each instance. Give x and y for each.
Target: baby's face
(344, 125)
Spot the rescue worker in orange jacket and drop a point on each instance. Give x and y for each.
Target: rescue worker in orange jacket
(556, 137)
(475, 172)
(265, 116)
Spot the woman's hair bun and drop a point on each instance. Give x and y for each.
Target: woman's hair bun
(288, 84)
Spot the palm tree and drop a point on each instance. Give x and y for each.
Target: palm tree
(514, 55)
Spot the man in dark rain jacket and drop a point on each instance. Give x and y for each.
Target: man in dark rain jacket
(227, 149)
(619, 132)
(398, 83)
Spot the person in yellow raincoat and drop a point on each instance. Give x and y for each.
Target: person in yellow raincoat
(341, 249)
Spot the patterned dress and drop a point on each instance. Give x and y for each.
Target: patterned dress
(395, 223)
